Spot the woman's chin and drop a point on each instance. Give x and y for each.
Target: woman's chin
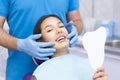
(61, 45)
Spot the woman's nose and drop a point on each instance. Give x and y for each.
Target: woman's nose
(59, 31)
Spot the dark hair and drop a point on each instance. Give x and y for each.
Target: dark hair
(37, 28)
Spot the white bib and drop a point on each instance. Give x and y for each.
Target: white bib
(67, 67)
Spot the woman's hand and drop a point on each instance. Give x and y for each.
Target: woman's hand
(100, 74)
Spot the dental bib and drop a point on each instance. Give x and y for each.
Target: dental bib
(94, 43)
(67, 67)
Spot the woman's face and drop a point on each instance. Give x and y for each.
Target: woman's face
(53, 30)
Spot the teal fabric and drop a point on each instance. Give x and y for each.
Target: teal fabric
(22, 17)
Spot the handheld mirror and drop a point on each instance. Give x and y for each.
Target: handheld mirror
(94, 43)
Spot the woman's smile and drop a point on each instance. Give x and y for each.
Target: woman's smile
(61, 38)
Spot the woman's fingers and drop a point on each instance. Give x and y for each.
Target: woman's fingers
(100, 74)
(100, 69)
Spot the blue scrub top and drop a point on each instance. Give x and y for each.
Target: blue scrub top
(22, 16)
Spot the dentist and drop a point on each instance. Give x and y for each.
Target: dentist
(21, 17)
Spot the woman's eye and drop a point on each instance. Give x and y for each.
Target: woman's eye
(61, 26)
(49, 30)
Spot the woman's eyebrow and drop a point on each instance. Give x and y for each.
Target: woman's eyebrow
(59, 22)
(47, 26)
(51, 25)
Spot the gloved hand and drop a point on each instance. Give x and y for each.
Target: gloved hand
(72, 33)
(35, 49)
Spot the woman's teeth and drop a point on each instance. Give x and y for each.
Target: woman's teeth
(60, 38)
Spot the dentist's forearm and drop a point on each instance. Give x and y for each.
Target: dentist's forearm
(76, 18)
(6, 40)
(78, 24)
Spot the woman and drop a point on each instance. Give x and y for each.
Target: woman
(53, 30)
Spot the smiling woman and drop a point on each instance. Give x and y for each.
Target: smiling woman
(53, 30)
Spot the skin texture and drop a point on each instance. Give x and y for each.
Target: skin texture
(52, 29)
(76, 18)
(100, 74)
(7, 40)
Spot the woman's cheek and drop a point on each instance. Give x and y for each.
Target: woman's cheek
(49, 38)
(66, 32)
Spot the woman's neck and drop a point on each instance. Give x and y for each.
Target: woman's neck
(60, 53)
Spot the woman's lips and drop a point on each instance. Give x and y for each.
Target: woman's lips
(61, 38)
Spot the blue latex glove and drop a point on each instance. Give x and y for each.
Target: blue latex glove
(110, 28)
(35, 49)
(72, 33)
